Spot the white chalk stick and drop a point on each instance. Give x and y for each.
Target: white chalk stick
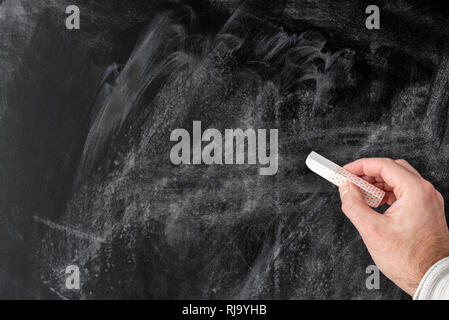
(337, 175)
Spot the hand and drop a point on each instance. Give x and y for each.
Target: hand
(412, 234)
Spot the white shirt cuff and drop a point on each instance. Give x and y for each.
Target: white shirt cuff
(435, 283)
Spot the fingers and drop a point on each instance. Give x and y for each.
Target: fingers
(400, 162)
(389, 199)
(355, 208)
(383, 186)
(396, 176)
(378, 181)
(369, 179)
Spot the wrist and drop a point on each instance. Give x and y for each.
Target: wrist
(425, 265)
(435, 282)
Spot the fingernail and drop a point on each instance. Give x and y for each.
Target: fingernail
(344, 188)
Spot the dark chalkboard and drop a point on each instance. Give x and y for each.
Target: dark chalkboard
(85, 123)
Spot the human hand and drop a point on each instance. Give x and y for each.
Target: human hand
(412, 234)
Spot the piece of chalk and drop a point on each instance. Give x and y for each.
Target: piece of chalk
(337, 175)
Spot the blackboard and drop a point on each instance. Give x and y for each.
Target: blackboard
(85, 123)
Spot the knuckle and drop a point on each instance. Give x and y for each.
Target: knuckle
(428, 187)
(388, 161)
(402, 161)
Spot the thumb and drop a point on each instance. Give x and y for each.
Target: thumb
(355, 208)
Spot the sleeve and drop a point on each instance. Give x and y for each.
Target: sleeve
(435, 283)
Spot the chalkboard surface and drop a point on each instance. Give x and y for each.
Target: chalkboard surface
(86, 116)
